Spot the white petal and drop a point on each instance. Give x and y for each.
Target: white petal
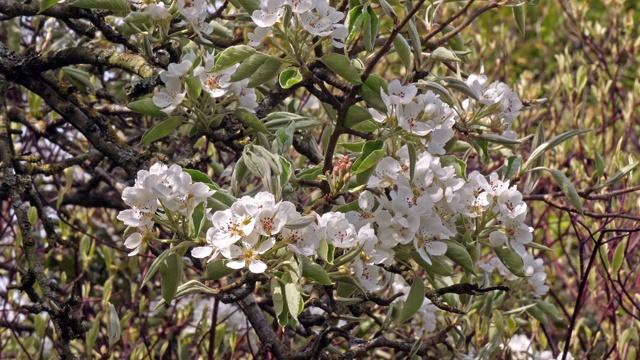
(423, 254)
(133, 241)
(201, 252)
(266, 245)
(237, 264)
(257, 266)
(437, 248)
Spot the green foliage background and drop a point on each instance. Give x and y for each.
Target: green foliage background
(583, 57)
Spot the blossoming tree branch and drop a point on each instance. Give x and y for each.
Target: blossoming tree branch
(290, 179)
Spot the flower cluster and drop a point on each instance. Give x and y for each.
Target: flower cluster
(498, 94)
(533, 270)
(317, 17)
(420, 211)
(195, 13)
(510, 211)
(424, 115)
(427, 116)
(245, 231)
(217, 84)
(161, 187)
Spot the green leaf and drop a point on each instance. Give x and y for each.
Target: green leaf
(251, 120)
(78, 78)
(146, 107)
(414, 301)
(456, 42)
(47, 4)
(194, 86)
(248, 67)
(265, 72)
(294, 300)
(92, 335)
(326, 251)
(155, 265)
(249, 5)
(171, 271)
(519, 17)
(113, 325)
(482, 147)
(372, 153)
(511, 260)
(435, 268)
(459, 255)
(289, 77)
(371, 92)
(550, 145)
(459, 85)
(356, 115)
(618, 258)
(443, 55)
(537, 246)
(315, 272)
(549, 309)
(256, 164)
(366, 31)
(276, 295)
(511, 167)
(347, 301)
(341, 65)
(499, 139)
(285, 175)
(162, 129)
(284, 137)
(348, 284)
(198, 219)
(600, 166)
(568, 189)
(190, 287)
(217, 270)
(354, 14)
(231, 56)
(498, 321)
(537, 314)
(440, 90)
(375, 26)
(388, 9)
(114, 5)
(617, 176)
(403, 49)
(32, 215)
(199, 176)
(416, 44)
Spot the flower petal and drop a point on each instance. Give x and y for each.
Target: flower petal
(201, 252)
(236, 264)
(436, 248)
(257, 266)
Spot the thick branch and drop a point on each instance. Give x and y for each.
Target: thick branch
(264, 330)
(92, 125)
(90, 55)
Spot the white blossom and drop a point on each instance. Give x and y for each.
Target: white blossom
(157, 11)
(270, 12)
(216, 84)
(258, 36)
(247, 254)
(169, 97)
(398, 93)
